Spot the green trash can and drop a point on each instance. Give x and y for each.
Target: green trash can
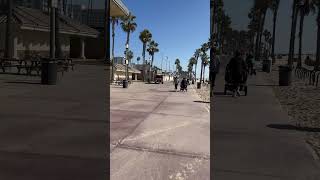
(285, 74)
(49, 70)
(125, 84)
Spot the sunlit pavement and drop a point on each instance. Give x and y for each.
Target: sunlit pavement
(245, 148)
(54, 132)
(158, 134)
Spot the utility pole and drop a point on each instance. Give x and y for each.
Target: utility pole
(8, 30)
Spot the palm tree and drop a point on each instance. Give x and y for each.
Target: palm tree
(129, 56)
(114, 22)
(193, 61)
(145, 37)
(128, 25)
(152, 49)
(177, 63)
(196, 56)
(204, 49)
(293, 32)
(205, 61)
(205, 64)
(274, 8)
(304, 10)
(317, 63)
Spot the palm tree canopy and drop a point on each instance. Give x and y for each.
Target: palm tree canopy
(129, 55)
(177, 61)
(128, 24)
(145, 36)
(153, 47)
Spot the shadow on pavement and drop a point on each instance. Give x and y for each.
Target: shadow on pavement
(22, 82)
(207, 102)
(266, 85)
(291, 127)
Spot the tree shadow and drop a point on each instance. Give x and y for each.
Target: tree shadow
(291, 127)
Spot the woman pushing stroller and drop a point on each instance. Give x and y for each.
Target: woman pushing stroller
(238, 69)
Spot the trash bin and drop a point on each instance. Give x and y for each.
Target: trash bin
(49, 69)
(125, 84)
(285, 73)
(266, 65)
(198, 85)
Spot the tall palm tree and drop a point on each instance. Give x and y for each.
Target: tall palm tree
(128, 25)
(293, 32)
(204, 49)
(152, 49)
(193, 62)
(204, 62)
(317, 63)
(304, 9)
(196, 56)
(114, 22)
(145, 37)
(274, 8)
(177, 63)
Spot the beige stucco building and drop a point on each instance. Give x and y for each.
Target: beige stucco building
(31, 33)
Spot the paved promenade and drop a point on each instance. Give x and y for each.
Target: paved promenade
(158, 134)
(54, 132)
(251, 141)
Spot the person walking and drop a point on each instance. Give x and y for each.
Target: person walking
(176, 82)
(238, 70)
(250, 64)
(216, 67)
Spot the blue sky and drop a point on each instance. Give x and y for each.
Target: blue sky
(179, 26)
(238, 10)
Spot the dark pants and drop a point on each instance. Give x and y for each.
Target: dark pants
(213, 78)
(176, 86)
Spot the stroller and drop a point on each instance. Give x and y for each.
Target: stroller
(229, 85)
(184, 85)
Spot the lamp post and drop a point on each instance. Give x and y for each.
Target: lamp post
(127, 62)
(8, 30)
(49, 66)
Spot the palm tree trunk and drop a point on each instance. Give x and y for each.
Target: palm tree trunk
(317, 65)
(58, 46)
(150, 68)
(300, 40)
(201, 73)
(293, 34)
(204, 69)
(261, 33)
(144, 61)
(274, 35)
(195, 71)
(112, 64)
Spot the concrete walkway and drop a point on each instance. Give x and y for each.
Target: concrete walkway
(54, 132)
(158, 134)
(246, 147)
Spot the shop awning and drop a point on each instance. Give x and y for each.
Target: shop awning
(118, 9)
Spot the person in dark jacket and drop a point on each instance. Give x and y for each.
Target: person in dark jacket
(184, 84)
(238, 70)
